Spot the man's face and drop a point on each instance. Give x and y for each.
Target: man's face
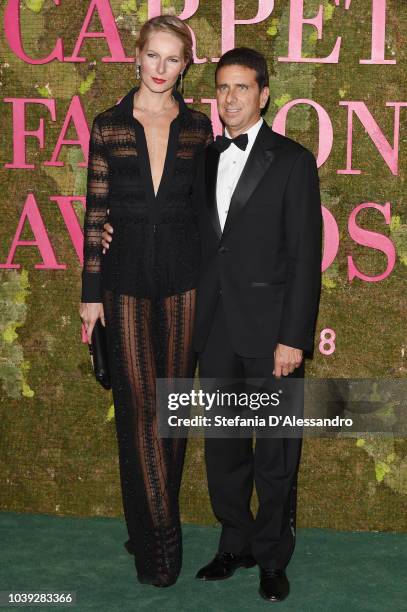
(239, 98)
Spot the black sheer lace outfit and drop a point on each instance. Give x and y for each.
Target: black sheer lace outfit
(146, 282)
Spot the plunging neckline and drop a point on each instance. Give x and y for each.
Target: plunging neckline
(174, 123)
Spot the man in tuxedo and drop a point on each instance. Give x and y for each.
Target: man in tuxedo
(260, 224)
(257, 301)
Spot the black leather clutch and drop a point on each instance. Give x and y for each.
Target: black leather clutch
(98, 355)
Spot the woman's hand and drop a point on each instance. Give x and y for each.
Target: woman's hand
(90, 313)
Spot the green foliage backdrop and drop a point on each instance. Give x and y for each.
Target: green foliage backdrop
(58, 448)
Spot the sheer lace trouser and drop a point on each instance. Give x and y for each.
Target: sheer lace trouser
(149, 339)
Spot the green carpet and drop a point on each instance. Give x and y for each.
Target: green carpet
(329, 570)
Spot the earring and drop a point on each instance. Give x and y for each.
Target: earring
(137, 72)
(182, 82)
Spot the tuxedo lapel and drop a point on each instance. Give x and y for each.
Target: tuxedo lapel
(259, 161)
(211, 175)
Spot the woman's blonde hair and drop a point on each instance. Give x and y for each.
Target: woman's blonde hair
(171, 24)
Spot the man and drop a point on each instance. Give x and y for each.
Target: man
(256, 309)
(260, 224)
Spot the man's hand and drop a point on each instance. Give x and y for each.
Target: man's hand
(286, 359)
(106, 236)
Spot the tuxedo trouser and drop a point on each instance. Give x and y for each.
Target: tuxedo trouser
(235, 465)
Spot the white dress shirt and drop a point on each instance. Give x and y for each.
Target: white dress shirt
(231, 164)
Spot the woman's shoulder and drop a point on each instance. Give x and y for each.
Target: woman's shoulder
(106, 115)
(199, 118)
(116, 110)
(106, 122)
(201, 125)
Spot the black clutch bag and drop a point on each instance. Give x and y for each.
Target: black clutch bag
(98, 355)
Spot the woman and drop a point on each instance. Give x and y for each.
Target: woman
(142, 162)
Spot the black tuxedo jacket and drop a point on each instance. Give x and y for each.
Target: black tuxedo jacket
(267, 262)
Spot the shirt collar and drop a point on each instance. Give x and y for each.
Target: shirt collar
(251, 132)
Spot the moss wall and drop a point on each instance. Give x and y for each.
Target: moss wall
(58, 448)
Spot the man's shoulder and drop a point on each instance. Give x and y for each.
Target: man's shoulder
(292, 148)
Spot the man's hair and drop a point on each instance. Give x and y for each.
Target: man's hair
(244, 56)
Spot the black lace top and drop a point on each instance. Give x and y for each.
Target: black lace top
(155, 249)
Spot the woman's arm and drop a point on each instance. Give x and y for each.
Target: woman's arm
(97, 193)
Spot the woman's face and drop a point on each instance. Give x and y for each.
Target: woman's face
(161, 61)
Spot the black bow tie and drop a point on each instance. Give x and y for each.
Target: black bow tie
(223, 142)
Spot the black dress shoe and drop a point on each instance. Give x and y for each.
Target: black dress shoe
(224, 565)
(274, 585)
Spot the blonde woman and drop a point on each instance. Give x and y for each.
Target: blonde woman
(142, 162)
